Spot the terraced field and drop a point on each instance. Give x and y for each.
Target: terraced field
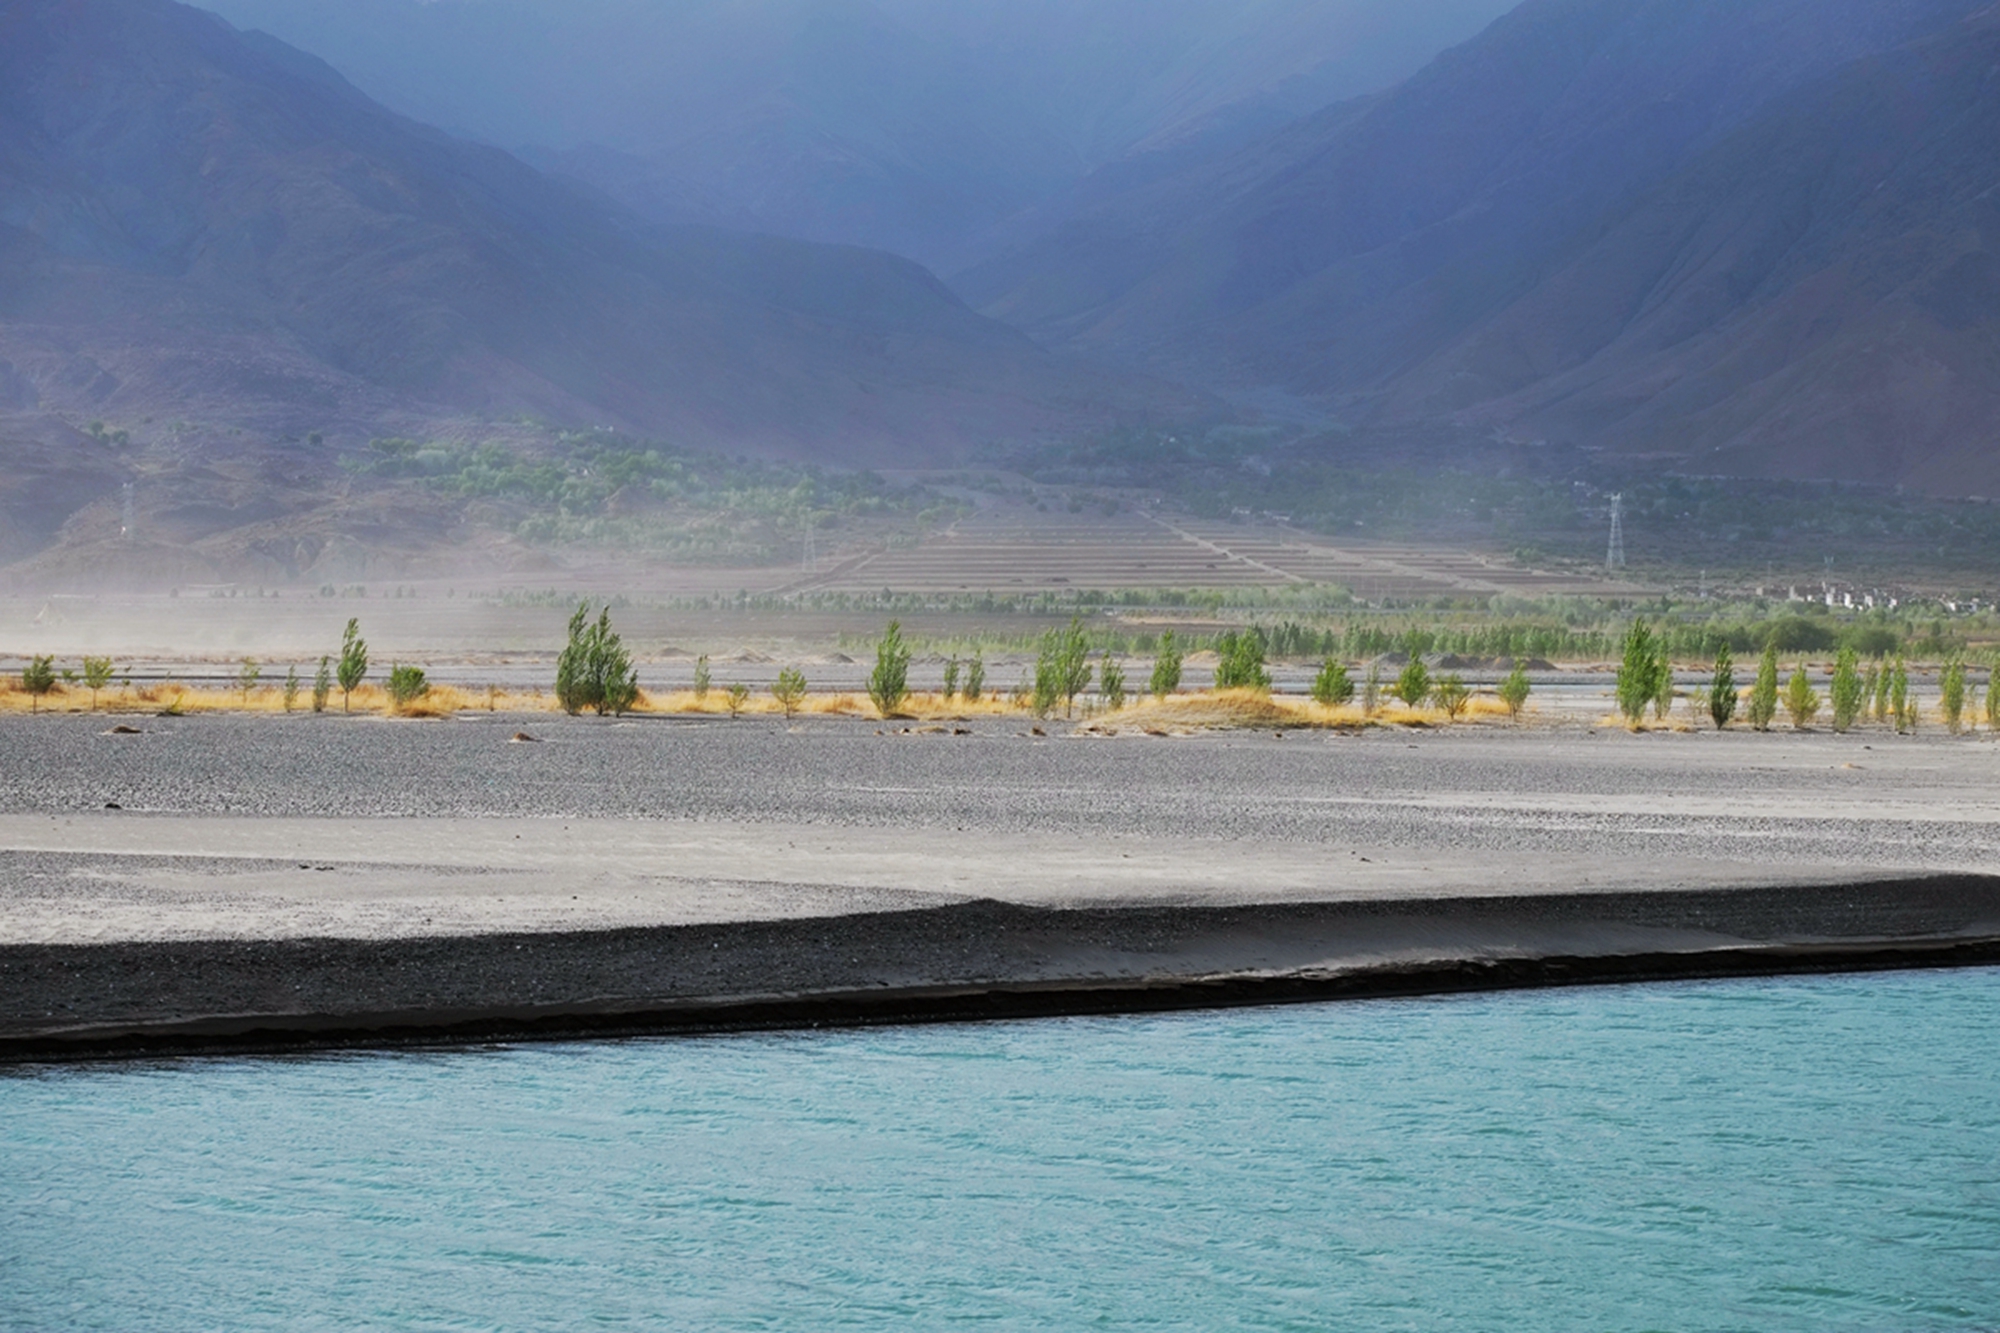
(1029, 551)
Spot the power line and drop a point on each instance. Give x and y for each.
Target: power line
(1614, 557)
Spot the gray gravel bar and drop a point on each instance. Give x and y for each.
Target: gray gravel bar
(268, 882)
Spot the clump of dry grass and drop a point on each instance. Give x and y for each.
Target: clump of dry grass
(1227, 709)
(168, 696)
(922, 707)
(1678, 725)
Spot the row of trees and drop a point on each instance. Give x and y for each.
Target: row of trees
(405, 684)
(1882, 692)
(1063, 671)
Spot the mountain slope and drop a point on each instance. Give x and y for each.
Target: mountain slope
(211, 225)
(1413, 257)
(1819, 294)
(911, 125)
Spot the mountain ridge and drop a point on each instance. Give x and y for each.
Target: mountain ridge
(174, 185)
(1344, 258)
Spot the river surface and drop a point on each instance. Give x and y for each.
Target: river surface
(1811, 1154)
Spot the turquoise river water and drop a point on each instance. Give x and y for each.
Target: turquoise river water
(1811, 1154)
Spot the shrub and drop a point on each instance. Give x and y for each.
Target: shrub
(1764, 693)
(1951, 696)
(1848, 692)
(951, 679)
(1795, 634)
(1241, 661)
(322, 684)
(1639, 672)
(1062, 668)
(1870, 640)
(1514, 690)
(790, 690)
(291, 688)
(1332, 686)
(1722, 689)
(1801, 699)
(1884, 679)
(1166, 667)
(737, 696)
(1451, 695)
(353, 668)
(975, 676)
(889, 682)
(1413, 686)
(702, 679)
(1111, 681)
(1371, 689)
(248, 675)
(594, 670)
(38, 678)
(407, 685)
(97, 672)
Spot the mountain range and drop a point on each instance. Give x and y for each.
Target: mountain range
(1741, 237)
(935, 130)
(1757, 238)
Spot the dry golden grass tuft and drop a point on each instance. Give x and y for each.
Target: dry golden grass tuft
(1217, 709)
(921, 707)
(168, 696)
(1226, 709)
(1671, 723)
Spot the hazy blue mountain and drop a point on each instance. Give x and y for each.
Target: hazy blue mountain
(918, 126)
(197, 223)
(1624, 222)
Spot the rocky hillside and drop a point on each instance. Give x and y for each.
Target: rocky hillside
(1755, 237)
(204, 225)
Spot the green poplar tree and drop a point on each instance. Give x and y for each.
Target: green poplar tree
(1332, 687)
(1801, 699)
(1638, 673)
(790, 690)
(97, 673)
(1514, 690)
(1848, 690)
(1111, 682)
(1166, 667)
(889, 682)
(1722, 689)
(1240, 661)
(1764, 693)
(1413, 685)
(353, 667)
(1951, 696)
(594, 669)
(38, 678)
(1062, 668)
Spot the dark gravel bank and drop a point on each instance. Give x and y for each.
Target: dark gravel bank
(977, 960)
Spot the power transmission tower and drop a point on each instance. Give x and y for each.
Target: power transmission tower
(1614, 557)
